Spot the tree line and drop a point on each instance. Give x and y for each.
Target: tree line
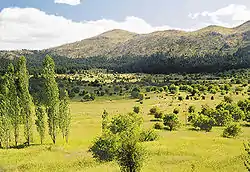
(18, 112)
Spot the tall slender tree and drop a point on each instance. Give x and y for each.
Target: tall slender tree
(40, 122)
(52, 97)
(5, 123)
(64, 116)
(26, 103)
(13, 102)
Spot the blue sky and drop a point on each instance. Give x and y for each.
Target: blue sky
(38, 24)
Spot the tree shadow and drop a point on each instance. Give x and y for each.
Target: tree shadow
(155, 120)
(22, 146)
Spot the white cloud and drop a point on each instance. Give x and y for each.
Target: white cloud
(69, 2)
(237, 13)
(30, 28)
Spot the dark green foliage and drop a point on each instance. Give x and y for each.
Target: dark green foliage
(171, 121)
(232, 130)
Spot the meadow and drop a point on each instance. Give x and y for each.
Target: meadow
(181, 150)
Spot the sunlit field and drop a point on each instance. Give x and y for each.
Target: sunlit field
(181, 150)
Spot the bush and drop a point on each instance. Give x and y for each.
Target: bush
(153, 110)
(180, 98)
(232, 130)
(136, 109)
(171, 121)
(158, 126)
(176, 111)
(228, 99)
(191, 109)
(203, 122)
(158, 115)
(148, 136)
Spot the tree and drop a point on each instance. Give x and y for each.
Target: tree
(13, 102)
(131, 155)
(232, 130)
(26, 103)
(64, 116)
(52, 97)
(5, 124)
(121, 142)
(40, 122)
(203, 122)
(172, 121)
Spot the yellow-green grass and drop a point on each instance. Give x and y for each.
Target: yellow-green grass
(182, 150)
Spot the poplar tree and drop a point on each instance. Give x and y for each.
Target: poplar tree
(65, 117)
(5, 124)
(26, 103)
(40, 122)
(52, 97)
(13, 102)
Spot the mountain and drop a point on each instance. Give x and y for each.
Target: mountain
(116, 43)
(210, 49)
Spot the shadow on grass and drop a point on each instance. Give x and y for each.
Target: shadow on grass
(24, 145)
(155, 120)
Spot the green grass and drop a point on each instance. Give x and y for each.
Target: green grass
(182, 150)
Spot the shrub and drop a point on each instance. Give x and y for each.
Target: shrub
(180, 98)
(176, 111)
(141, 96)
(158, 126)
(171, 121)
(136, 109)
(191, 109)
(153, 110)
(158, 115)
(232, 130)
(148, 136)
(228, 99)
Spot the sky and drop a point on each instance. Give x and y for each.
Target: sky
(40, 24)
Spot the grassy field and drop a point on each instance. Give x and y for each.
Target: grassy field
(183, 150)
